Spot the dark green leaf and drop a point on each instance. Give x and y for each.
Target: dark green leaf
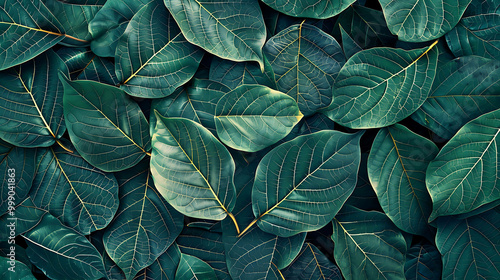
(25, 216)
(192, 268)
(423, 262)
(363, 196)
(12, 269)
(312, 264)
(17, 252)
(477, 7)
(309, 8)
(164, 267)
(105, 125)
(234, 74)
(349, 46)
(113, 272)
(83, 64)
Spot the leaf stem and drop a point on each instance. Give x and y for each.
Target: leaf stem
(248, 227)
(62, 146)
(234, 221)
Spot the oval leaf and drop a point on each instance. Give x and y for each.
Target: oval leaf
(423, 261)
(311, 263)
(309, 8)
(234, 74)
(192, 268)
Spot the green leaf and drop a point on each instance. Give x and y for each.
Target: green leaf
(6, 250)
(14, 270)
(309, 8)
(470, 248)
(368, 245)
(83, 64)
(81, 196)
(476, 35)
(420, 21)
(109, 24)
(305, 61)
(164, 267)
(232, 30)
(349, 46)
(382, 86)
(26, 216)
(144, 226)
(464, 89)
(26, 30)
(396, 167)
(363, 196)
(312, 264)
(113, 272)
(196, 101)
(61, 252)
(152, 57)
(107, 128)
(464, 175)
(31, 113)
(234, 74)
(482, 7)
(423, 261)
(302, 184)
(192, 169)
(252, 117)
(193, 268)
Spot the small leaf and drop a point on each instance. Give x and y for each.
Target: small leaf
(312, 264)
(349, 46)
(193, 268)
(309, 8)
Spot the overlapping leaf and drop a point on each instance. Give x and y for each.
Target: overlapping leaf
(312, 264)
(363, 196)
(26, 216)
(381, 86)
(192, 268)
(309, 8)
(423, 261)
(164, 267)
(234, 74)
(305, 61)
(14, 270)
(152, 57)
(105, 125)
(349, 46)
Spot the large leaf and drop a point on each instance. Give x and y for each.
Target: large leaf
(192, 169)
(61, 252)
(423, 261)
(152, 57)
(232, 30)
(81, 196)
(464, 175)
(301, 184)
(422, 20)
(368, 245)
(305, 61)
(396, 168)
(164, 267)
(470, 248)
(309, 8)
(26, 30)
(252, 117)
(192, 268)
(464, 89)
(144, 226)
(234, 74)
(105, 125)
(381, 86)
(312, 264)
(31, 113)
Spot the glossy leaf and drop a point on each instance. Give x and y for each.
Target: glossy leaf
(464, 175)
(192, 268)
(27, 28)
(232, 30)
(81, 196)
(107, 128)
(192, 170)
(164, 267)
(381, 86)
(112, 270)
(396, 167)
(349, 46)
(305, 61)
(14, 270)
(368, 245)
(62, 252)
(301, 184)
(252, 117)
(234, 74)
(144, 226)
(31, 113)
(152, 57)
(83, 64)
(420, 21)
(464, 89)
(312, 264)
(309, 8)
(26, 216)
(423, 261)
(470, 247)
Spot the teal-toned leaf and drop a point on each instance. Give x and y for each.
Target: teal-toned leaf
(61, 252)
(309, 8)
(423, 262)
(476, 35)
(196, 101)
(234, 74)
(14, 270)
(368, 245)
(464, 175)
(152, 57)
(144, 226)
(31, 113)
(305, 61)
(164, 267)
(349, 46)
(107, 128)
(25, 216)
(312, 264)
(276, 21)
(112, 270)
(363, 196)
(83, 64)
(382, 86)
(26, 30)
(302, 184)
(420, 21)
(470, 247)
(192, 169)
(18, 252)
(192, 268)
(109, 24)
(81, 196)
(311, 124)
(396, 167)
(252, 117)
(464, 89)
(477, 7)
(17, 167)
(232, 30)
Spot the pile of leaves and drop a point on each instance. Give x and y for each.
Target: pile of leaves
(245, 139)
